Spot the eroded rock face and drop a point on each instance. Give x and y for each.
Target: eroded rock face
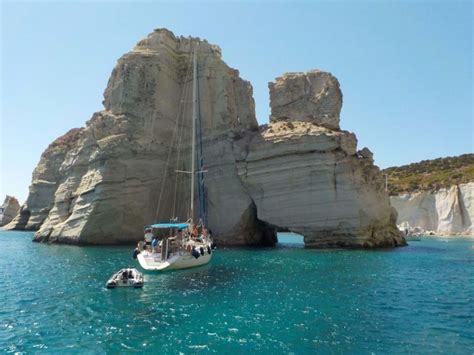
(306, 176)
(8, 210)
(313, 96)
(108, 184)
(444, 212)
(47, 176)
(117, 174)
(309, 180)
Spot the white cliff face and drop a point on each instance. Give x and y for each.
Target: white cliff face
(309, 179)
(101, 184)
(47, 176)
(445, 212)
(8, 210)
(106, 186)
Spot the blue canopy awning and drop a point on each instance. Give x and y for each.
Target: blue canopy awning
(168, 225)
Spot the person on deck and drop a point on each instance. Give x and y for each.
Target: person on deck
(154, 243)
(148, 237)
(179, 237)
(205, 234)
(195, 232)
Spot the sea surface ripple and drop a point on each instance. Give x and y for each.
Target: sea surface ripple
(286, 299)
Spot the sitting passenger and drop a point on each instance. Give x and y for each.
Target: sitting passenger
(148, 237)
(195, 232)
(179, 237)
(205, 234)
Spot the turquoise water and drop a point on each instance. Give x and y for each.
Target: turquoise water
(417, 299)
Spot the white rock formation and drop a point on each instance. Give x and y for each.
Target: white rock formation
(101, 184)
(105, 186)
(446, 211)
(8, 210)
(310, 180)
(46, 178)
(313, 96)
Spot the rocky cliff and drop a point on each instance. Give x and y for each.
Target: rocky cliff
(51, 170)
(100, 184)
(447, 211)
(305, 175)
(8, 210)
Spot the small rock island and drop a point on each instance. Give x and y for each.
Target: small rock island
(100, 184)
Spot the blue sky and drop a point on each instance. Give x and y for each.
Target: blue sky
(405, 67)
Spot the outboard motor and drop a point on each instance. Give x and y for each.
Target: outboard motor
(137, 284)
(201, 249)
(135, 253)
(195, 253)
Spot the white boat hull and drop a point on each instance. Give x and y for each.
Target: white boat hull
(183, 260)
(126, 283)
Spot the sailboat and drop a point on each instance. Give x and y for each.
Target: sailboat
(179, 245)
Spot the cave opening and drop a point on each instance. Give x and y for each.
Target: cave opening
(289, 239)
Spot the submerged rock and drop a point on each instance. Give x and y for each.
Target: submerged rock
(8, 210)
(102, 183)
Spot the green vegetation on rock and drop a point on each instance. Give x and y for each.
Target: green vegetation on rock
(430, 174)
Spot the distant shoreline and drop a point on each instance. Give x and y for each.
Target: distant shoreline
(447, 236)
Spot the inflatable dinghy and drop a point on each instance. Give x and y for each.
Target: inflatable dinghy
(126, 278)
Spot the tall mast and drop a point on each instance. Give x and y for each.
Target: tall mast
(193, 148)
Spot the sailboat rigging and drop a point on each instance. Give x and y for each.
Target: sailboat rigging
(179, 245)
